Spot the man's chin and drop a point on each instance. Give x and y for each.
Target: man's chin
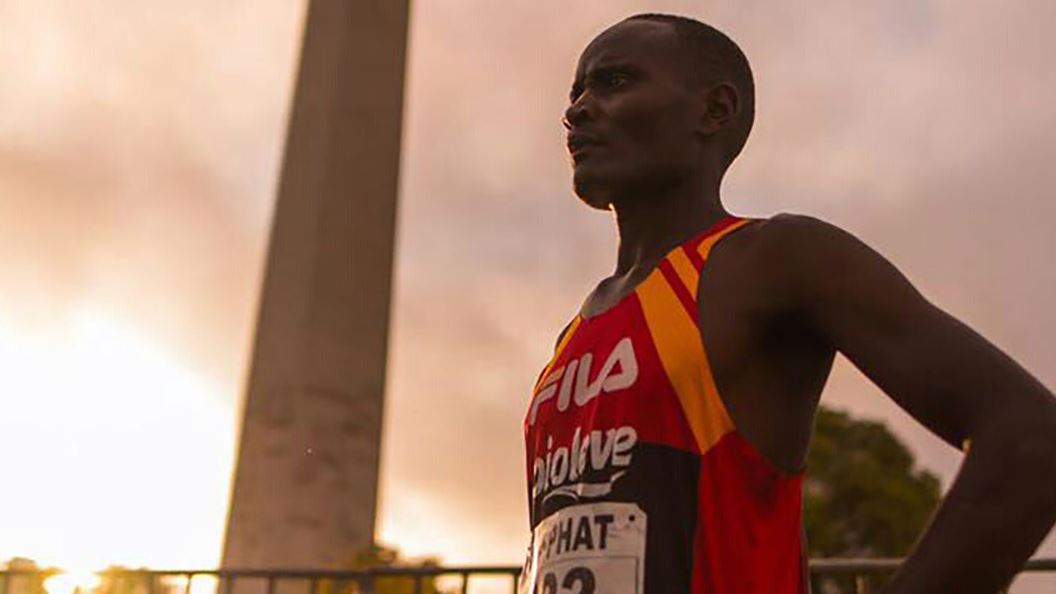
(593, 189)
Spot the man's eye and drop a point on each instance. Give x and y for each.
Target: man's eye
(617, 79)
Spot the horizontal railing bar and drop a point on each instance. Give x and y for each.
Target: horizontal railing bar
(292, 573)
(832, 566)
(853, 565)
(829, 566)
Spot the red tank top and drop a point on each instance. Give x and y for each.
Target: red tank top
(638, 481)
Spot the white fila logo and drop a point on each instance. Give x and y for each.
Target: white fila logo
(577, 387)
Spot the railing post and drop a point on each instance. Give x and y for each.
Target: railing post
(861, 583)
(516, 575)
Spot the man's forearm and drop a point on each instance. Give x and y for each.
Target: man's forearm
(999, 509)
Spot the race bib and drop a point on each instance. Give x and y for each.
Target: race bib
(594, 548)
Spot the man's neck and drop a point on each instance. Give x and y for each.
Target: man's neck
(650, 226)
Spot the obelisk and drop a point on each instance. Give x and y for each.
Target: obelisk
(305, 488)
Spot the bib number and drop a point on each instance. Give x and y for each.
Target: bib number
(596, 548)
(583, 577)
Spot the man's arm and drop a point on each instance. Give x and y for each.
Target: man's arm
(1003, 501)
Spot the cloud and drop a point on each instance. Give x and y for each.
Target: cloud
(138, 152)
(137, 158)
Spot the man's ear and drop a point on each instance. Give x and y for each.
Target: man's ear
(722, 103)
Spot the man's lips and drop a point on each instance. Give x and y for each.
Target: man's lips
(578, 142)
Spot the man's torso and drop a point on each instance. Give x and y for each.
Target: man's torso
(678, 461)
(769, 367)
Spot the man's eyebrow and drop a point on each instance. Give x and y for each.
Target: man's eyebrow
(577, 88)
(615, 65)
(597, 71)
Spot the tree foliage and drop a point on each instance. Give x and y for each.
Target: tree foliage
(379, 556)
(31, 582)
(862, 495)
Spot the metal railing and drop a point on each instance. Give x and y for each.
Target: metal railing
(845, 576)
(863, 576)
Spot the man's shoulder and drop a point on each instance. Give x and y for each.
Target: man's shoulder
(784, 258)
(782, 229)
(788, 239)
(800, 262)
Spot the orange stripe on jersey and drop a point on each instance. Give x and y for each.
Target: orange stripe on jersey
(685, 296)
(561, 344)
(677, 340)
(704, 247)
(687, 272)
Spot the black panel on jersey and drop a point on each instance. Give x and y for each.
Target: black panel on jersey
(663, 482)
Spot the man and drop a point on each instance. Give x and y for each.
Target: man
(667, 436)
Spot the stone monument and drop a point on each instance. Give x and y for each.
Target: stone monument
(305, 487)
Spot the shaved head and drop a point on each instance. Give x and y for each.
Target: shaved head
(709, 56)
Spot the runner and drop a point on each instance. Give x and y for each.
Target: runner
(667, 436)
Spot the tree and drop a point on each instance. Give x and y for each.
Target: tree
(117, 579)
(862, 495)
(379, 556)
(30, 582)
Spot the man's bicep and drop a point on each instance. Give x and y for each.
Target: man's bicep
(937, 369)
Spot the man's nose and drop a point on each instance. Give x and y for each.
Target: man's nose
(577, 112)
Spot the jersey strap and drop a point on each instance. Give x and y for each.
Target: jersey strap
(669, 303)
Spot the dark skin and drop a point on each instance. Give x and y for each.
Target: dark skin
(780, 297)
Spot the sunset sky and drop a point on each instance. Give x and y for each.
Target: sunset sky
(140, 145)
